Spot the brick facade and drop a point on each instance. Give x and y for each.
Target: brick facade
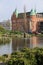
(31, 23)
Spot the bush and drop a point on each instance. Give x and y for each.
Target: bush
(27, 57)
(5, 55)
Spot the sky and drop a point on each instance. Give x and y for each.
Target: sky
(7, 7)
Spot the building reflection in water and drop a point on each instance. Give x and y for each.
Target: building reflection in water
(16, 44)
(19, 43)
(40, 42)
(34, 41)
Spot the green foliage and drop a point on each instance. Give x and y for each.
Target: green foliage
(2, 30)
(5, 55)
(25, 57)
(2, 59)
(15, 32)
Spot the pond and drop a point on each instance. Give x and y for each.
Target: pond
(9, 45)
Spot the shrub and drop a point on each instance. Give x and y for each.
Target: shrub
(27, 57)
(5, 55)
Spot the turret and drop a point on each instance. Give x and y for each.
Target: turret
(33, 20)
(33, 14)
(14, 18)
(16, 12)
(14, 15)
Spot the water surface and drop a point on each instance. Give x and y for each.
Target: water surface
(16, 44)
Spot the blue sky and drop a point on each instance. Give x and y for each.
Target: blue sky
(8, 6)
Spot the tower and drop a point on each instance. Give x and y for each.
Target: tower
(16, 13)
(33, 20)
(14, 19)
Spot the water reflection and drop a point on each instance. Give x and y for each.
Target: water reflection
(5, 46)
(16, 44)
(31, 42)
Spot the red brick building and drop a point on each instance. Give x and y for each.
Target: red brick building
(32, 22)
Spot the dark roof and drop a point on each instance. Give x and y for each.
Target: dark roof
(40, 13)
(21, 15)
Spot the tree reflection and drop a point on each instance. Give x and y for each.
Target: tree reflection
(4, 40)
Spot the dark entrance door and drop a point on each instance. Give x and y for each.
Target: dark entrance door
(41, 27)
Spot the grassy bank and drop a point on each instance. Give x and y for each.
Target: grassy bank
(10, 33)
